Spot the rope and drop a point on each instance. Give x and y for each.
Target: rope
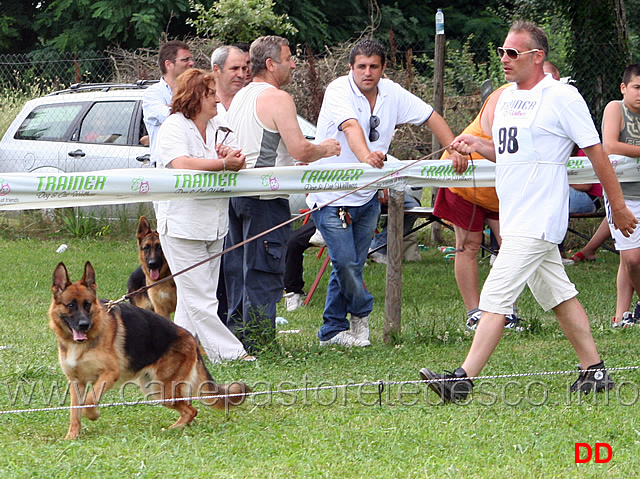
(380, 384)
(111, 304)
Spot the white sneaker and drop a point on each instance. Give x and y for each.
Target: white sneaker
(360, 329)
(344, 338)
(293, 301)
(378, 257)
(317, 239)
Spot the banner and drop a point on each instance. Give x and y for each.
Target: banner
(22, 191)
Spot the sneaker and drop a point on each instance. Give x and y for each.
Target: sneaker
(473, 320)
(626, 321)
(454, 386)
(294, 300)
(317, 239)
(512, 321)
(588, 379)
(344, 338)
(378, 257)
(360, 329)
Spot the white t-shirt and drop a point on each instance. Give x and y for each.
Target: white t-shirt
(534, 132)
(343, 101)
(194, 218)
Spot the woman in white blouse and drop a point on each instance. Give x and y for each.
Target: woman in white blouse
(192, 230)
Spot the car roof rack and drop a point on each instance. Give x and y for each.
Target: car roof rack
(84, 87)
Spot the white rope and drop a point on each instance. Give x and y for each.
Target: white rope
(379, 383)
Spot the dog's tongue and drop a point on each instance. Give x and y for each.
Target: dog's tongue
(78, 336)
(155, 274)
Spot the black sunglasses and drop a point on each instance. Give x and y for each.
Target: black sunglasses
(224, 130)
(374, 122)
(513, 53)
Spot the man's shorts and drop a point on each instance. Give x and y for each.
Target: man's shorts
(460, 212)
(623, 243)
(526, 261)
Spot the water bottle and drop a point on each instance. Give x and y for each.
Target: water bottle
(439, 22)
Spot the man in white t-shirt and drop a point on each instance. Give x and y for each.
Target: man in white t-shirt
(361, 111)
(534, 124)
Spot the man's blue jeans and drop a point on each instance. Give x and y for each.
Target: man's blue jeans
(348, 249)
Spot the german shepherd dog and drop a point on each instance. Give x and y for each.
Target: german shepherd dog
(153, 267)
(100, 348)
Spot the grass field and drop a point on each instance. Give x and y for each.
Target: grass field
(513, 427)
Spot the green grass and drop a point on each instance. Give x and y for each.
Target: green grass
(521, 427)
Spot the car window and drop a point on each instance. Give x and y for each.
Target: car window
(48, 122)
(107, 122)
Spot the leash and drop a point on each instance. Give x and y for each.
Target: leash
(112, 303)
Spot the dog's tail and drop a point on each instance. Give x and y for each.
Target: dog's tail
(233, 395)
(226, 395)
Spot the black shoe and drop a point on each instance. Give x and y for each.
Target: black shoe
(455, 386)
(590, 379)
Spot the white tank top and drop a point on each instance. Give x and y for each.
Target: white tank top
(262, 146)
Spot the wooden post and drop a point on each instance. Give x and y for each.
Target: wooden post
(393, 295)
(438, 105)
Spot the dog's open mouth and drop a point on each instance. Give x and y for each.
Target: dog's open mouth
(154, 274)
(79, 336)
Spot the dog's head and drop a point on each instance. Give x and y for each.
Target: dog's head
(151, 249)
(74, 304)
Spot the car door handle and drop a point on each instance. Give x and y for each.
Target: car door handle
(77, 154)
(144, 159)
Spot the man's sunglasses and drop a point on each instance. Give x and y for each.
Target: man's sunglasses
(374, 122)
(513, 53)
(224, 130)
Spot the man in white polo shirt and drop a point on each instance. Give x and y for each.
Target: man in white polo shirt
(361, 111)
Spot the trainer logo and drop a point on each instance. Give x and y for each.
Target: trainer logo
(582, 448)
(270, 181)
(5, 189)
(140, 185)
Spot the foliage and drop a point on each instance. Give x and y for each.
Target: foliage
(97, 24)
(77, 224)
(233, 21)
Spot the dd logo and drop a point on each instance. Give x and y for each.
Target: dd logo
(598, 447)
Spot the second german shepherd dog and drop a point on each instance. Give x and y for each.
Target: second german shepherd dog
(153, 267)
(98, 349)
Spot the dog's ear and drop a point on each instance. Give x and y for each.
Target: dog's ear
(143, 228)
(60, 279)
(89, 277)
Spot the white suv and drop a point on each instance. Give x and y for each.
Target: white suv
(87, 127)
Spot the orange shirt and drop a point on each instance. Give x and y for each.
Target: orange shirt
(485, 197)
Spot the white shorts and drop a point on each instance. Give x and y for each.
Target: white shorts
(524, 261)
(623, 243)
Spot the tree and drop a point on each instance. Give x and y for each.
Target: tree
(232, 21)
(97, 24)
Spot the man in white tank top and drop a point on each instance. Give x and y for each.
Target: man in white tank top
(534, 124)
(263, 118)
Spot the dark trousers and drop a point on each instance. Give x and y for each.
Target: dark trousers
(297, 244)
(254, 273)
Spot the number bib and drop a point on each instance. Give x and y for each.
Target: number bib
(527, 206)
